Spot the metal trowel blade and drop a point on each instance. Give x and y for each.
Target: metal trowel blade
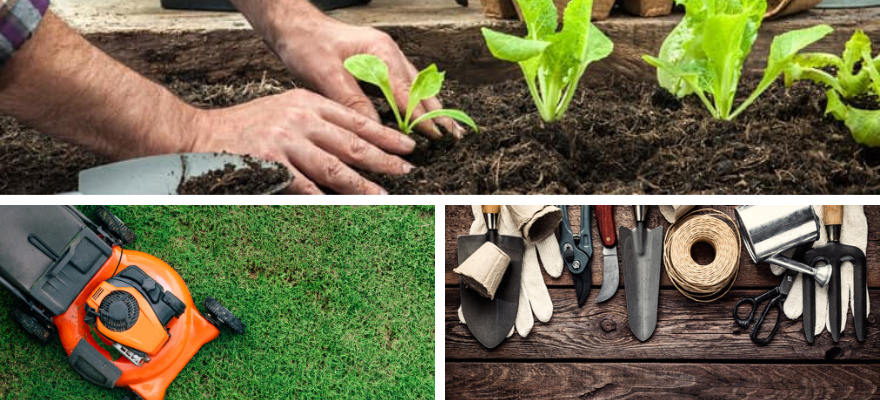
(160, 174)
(491, 320)
(641, 277)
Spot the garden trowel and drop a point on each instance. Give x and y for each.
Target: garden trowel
(642, 251)
(491, 320)
(160, 174)
(577, 253)
(835, 254)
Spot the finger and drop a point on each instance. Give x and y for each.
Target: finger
(524, 319)
(533, 283)
(300, 184)
(371, 131)
(353, 150)
(551, 257)
(330, 172)
(447, 123)
(342, 88)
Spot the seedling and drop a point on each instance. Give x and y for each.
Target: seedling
(373, 70)
(705, 53)
(857, 75)
(552, 62)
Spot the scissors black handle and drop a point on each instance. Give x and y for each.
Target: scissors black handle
(775, 302)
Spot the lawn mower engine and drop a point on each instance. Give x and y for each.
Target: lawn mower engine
(132, 310)
(125, 318)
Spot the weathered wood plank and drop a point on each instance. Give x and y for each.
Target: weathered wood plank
(651, 380)
(459, 218)
(221, 54)
(685, 330)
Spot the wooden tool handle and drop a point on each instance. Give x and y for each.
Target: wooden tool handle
(833, 215)
(491, 209)
(605, 222)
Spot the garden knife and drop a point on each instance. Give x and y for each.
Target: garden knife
(491, 320)
(642, 251)
(576, 259)
(835, 254)
(160, 174)
(610, 270)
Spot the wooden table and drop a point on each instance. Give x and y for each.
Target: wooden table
(697, 349)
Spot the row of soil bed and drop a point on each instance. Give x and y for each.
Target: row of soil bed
(618, 137)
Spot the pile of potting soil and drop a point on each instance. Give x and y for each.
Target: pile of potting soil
(618, 137)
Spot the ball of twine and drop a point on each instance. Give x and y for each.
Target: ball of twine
(702, 283)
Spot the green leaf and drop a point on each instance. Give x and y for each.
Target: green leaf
(599, 46)
(457, 115)
(426, 85)
(371, 69)
(540, 17)
(854, 83)
(725, 56)
(368, 68)
(512, 48)
(673, 52)
(864, 125)
(782, 53)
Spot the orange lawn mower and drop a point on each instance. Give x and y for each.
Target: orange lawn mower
(125, 318)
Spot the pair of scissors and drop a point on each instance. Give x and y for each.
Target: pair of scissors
(776, 299)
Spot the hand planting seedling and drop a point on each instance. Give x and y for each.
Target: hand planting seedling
(705, 53)
(373, 70)
(856, 75)
(552, 62)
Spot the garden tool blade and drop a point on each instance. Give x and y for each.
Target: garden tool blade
(642, 251)
(809, 293)
(577, 261)
(610, 270)
(491, 320)
(835, 254)
(160, 174)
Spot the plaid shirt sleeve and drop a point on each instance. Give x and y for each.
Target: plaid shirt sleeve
(18, 21)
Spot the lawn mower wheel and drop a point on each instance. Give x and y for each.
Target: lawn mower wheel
(115, 225)
(221, 316)
(32, 326)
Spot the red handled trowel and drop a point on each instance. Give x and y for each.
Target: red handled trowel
(491, 320)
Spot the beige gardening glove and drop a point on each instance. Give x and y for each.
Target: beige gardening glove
(533, 294)
(853, 232)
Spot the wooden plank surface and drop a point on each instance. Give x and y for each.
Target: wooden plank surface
(696, 351)
(459, 219)
(685, 330)
(481, 380)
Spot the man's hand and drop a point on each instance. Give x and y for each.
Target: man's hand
(316, 138)
(314, 47)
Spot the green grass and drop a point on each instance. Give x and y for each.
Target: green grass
(338, 302)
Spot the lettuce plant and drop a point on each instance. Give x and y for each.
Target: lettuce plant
(856, 74)
(373, 70)
(552, 62)
(705, 53)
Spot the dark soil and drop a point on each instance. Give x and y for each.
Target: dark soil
(252, 179)
(618, 137)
